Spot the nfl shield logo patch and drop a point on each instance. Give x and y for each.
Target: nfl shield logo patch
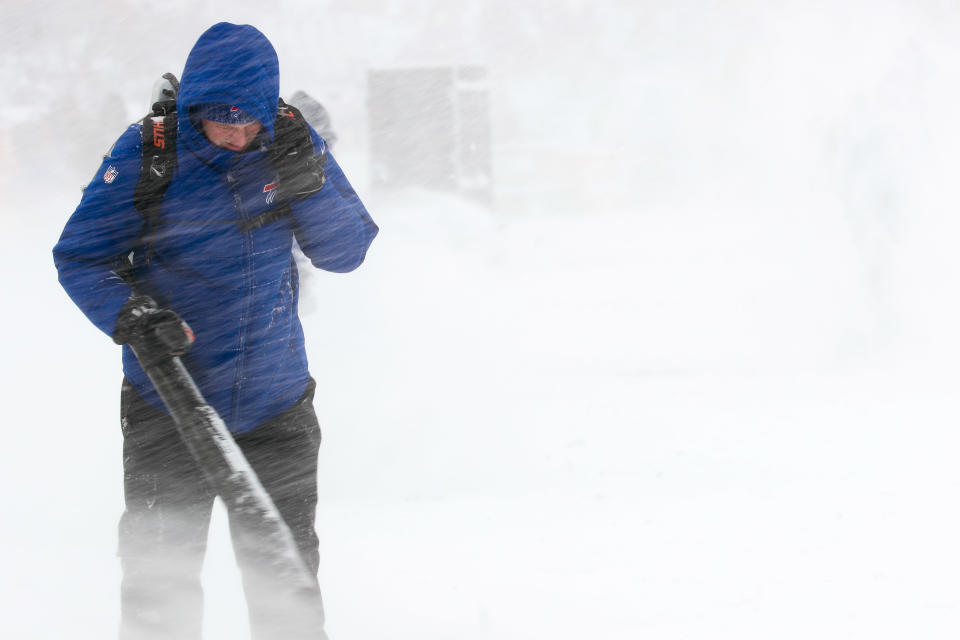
(110, 174)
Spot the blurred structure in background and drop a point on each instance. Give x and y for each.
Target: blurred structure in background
(430, 127)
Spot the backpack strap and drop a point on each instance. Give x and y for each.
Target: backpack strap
(157, 166)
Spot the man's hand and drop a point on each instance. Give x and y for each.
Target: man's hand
(140, 317)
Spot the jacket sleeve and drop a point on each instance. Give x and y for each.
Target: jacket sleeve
(333, 227)
(103, 227)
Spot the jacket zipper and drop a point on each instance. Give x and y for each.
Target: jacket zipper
(246, 270)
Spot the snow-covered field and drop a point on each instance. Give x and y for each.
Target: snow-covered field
(721, 407)
(534, 428)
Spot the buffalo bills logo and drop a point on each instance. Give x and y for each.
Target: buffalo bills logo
(271, 191)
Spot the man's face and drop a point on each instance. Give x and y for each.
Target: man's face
(235, 137)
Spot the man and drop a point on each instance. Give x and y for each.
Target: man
(218, 258)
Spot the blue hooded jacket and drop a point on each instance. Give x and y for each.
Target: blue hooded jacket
(236, 289)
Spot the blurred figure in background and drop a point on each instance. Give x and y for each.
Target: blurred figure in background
(316, 114)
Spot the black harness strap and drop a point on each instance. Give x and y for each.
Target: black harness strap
(157, 166)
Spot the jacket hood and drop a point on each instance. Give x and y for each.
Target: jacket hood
(236, 65)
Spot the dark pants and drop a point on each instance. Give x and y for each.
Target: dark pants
(163, 531)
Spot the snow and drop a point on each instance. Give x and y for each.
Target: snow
(692, 375)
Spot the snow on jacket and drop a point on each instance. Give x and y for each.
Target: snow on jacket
(237, 289)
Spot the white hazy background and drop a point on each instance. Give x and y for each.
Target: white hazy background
(693, 374)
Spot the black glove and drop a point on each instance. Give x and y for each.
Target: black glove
(298, 166)
(301, 177)
(140, 318)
